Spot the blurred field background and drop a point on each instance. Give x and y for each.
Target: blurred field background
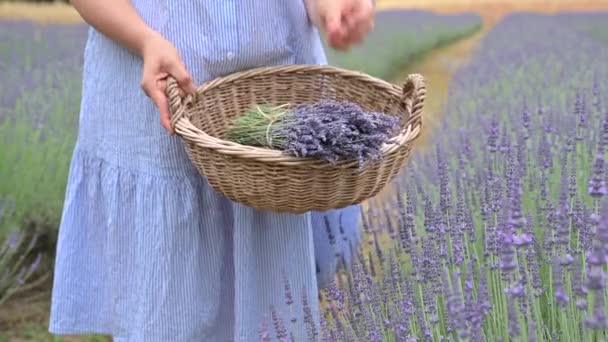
(40, 61)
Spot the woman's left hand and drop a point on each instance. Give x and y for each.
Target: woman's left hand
(344, 22)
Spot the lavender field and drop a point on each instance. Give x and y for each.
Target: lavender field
(501, 233)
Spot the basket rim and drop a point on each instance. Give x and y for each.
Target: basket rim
(186, 130)
(325, 69)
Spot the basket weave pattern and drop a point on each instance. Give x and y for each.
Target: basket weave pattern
(269, 179)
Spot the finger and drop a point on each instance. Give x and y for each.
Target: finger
(340, 45)
(334, 26)
(340, 41)
(362, 11)
(148, 82)
(160, 100)
(183, 78)
(358, 29)
(353, 29)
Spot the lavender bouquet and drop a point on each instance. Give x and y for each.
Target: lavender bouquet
(329, 130)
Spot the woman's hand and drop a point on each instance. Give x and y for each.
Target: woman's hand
(344, 22)
(162, 59)
(119, 20)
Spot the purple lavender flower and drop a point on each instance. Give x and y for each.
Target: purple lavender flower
(597, 100)
(580, 291)
(597, 258)
(580, 109)
(533, 264)
(406, 223)
(572, 184)
(263, 332)
(311, 328)
(523, 239)
(561, 297)
(279, 326)
(598, 320)
(507, 250)
(493, 136)
(597, 183)
(562, 228)
(604, 132)
(326, 331)
(514, 328)
(336, 130)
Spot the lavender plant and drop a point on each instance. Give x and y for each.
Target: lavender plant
(501, 233)
(16, 265)
(329, 130)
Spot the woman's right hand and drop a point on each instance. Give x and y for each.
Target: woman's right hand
(162, 59)
(119, 20)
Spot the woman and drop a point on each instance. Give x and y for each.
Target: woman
(147, 251)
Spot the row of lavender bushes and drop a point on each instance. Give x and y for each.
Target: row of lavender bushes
(41, 67)
(501, 233)
(16, 262)
(596, 28)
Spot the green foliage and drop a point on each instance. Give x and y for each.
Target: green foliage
(35, 157)
(39, 107)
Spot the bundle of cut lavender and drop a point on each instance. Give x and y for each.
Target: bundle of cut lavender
(330, 130)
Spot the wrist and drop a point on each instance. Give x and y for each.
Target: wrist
(143, 38)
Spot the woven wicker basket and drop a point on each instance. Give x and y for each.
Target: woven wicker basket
(270, 180)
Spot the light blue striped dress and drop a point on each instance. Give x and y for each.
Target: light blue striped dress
(147, 251)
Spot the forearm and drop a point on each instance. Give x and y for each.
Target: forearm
(116, 19)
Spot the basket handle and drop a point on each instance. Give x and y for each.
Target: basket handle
(178, 100)
(414, 93)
